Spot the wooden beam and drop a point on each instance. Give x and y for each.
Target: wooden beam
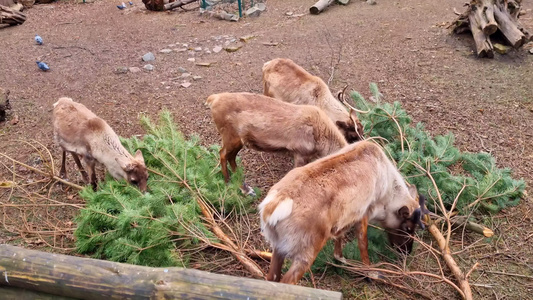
(86, 278)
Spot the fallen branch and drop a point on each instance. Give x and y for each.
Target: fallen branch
(477, 228)
(450, 262)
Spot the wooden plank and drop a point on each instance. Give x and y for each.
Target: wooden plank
(86, 278)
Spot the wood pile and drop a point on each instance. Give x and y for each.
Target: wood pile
(484, 18)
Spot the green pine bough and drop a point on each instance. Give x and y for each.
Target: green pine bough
(121, 224)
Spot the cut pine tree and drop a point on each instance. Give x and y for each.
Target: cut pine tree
(485, 17)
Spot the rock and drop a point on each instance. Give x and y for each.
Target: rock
(185, 75)
(191, 59)
(121, 70)
(204, 64)
(343, 2)
(135, 70)
(371, 2)
(217, 49)
(289, 13)
(198, 49)
(262, 6)
(181, 50)
(15, 120)
(531, 51)
(165, 51)
(246, 38)
(197, 77)
(234, 18)
(182, 70)
(208, 52)
(233, 48)
(149, 67)
(502, 49)
(252, 12)
(186, 84)
(149, 56)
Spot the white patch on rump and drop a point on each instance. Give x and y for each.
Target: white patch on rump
(283, 210)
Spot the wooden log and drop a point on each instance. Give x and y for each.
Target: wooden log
(320, 6)
(483, 11)
(477, 228)
(10, 16)
(514, 36)
(178, 3)
(13, 293)
(86, 278)
(483, 44)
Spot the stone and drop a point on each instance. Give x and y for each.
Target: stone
(252, 12)
(186, 84)
(246, 38)
(149, 56)
(149, 67)
(531, 51)
(502, 49)
(182, 70)
(262, 6)
(233, 48)
(204, 64)
(121, 70)
(134, 69)
(181, 50)
(217, 49)
(343, 2)
(234, 18)
(172, 45)
(165, 51)
(198, 49)
(192, 59)
(371, 2)
(185, 75)
(197, 77)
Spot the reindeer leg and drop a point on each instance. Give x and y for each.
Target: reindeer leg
(299, 160)
(337, 253)
(303, 262)
(63, 171)
(274, 272)
(80, 167)
(362, 239)
(92, 172)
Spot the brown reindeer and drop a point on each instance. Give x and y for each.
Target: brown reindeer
(267, 124)
(287, 81)
(79, 131)
(325, 198)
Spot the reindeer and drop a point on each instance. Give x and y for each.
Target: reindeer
(80, 132)
(327, 197)
(287, 81)
(267, 124)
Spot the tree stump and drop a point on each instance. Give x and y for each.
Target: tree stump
(11, 17)
(483, 18)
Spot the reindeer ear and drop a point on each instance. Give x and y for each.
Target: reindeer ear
(412, 191)
(124, 166)
(403, 212)
(139, 156)
(342, 124)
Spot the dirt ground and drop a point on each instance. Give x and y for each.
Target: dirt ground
(401, 45)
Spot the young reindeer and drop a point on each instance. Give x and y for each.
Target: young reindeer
(287, 81)
(325, 198)
(267, 124)
(79, 131)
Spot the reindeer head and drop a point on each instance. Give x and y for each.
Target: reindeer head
(401, 238)
(351, 129)
(136, 172)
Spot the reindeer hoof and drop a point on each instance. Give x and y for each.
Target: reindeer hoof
(340, 259)
(247, 190)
